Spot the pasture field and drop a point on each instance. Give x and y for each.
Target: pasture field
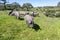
(13, 29)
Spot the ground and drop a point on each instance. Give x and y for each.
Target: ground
(46, 28)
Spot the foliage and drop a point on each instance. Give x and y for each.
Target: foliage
(12, 6)
(27, 6)
(50, 13)
(15, 5)
(58, 4)
(4, 3)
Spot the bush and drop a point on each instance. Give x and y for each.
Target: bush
(17, 9)
(49, 13)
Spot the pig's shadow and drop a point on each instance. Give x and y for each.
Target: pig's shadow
(36, 27)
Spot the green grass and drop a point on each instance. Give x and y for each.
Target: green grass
(13, 29)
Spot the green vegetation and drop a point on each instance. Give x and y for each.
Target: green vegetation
(13, 29)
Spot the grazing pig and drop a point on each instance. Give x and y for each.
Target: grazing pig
(34, 13)
(22, 12)
(14, 13)
(10, 12)
(29, 20)
(30, 13)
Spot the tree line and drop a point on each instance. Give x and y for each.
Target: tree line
(26, 6)
(5, 6)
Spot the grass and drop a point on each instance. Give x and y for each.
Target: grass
(13, 29)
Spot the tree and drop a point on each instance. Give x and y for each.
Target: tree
(1, 6)
(27, 6)
(16, 5)
(58, 4)
(4, 2)
(9, 6)
(13, 5)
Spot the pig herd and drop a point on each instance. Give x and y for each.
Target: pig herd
(28, 16)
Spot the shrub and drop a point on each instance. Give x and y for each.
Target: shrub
(49, 13)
